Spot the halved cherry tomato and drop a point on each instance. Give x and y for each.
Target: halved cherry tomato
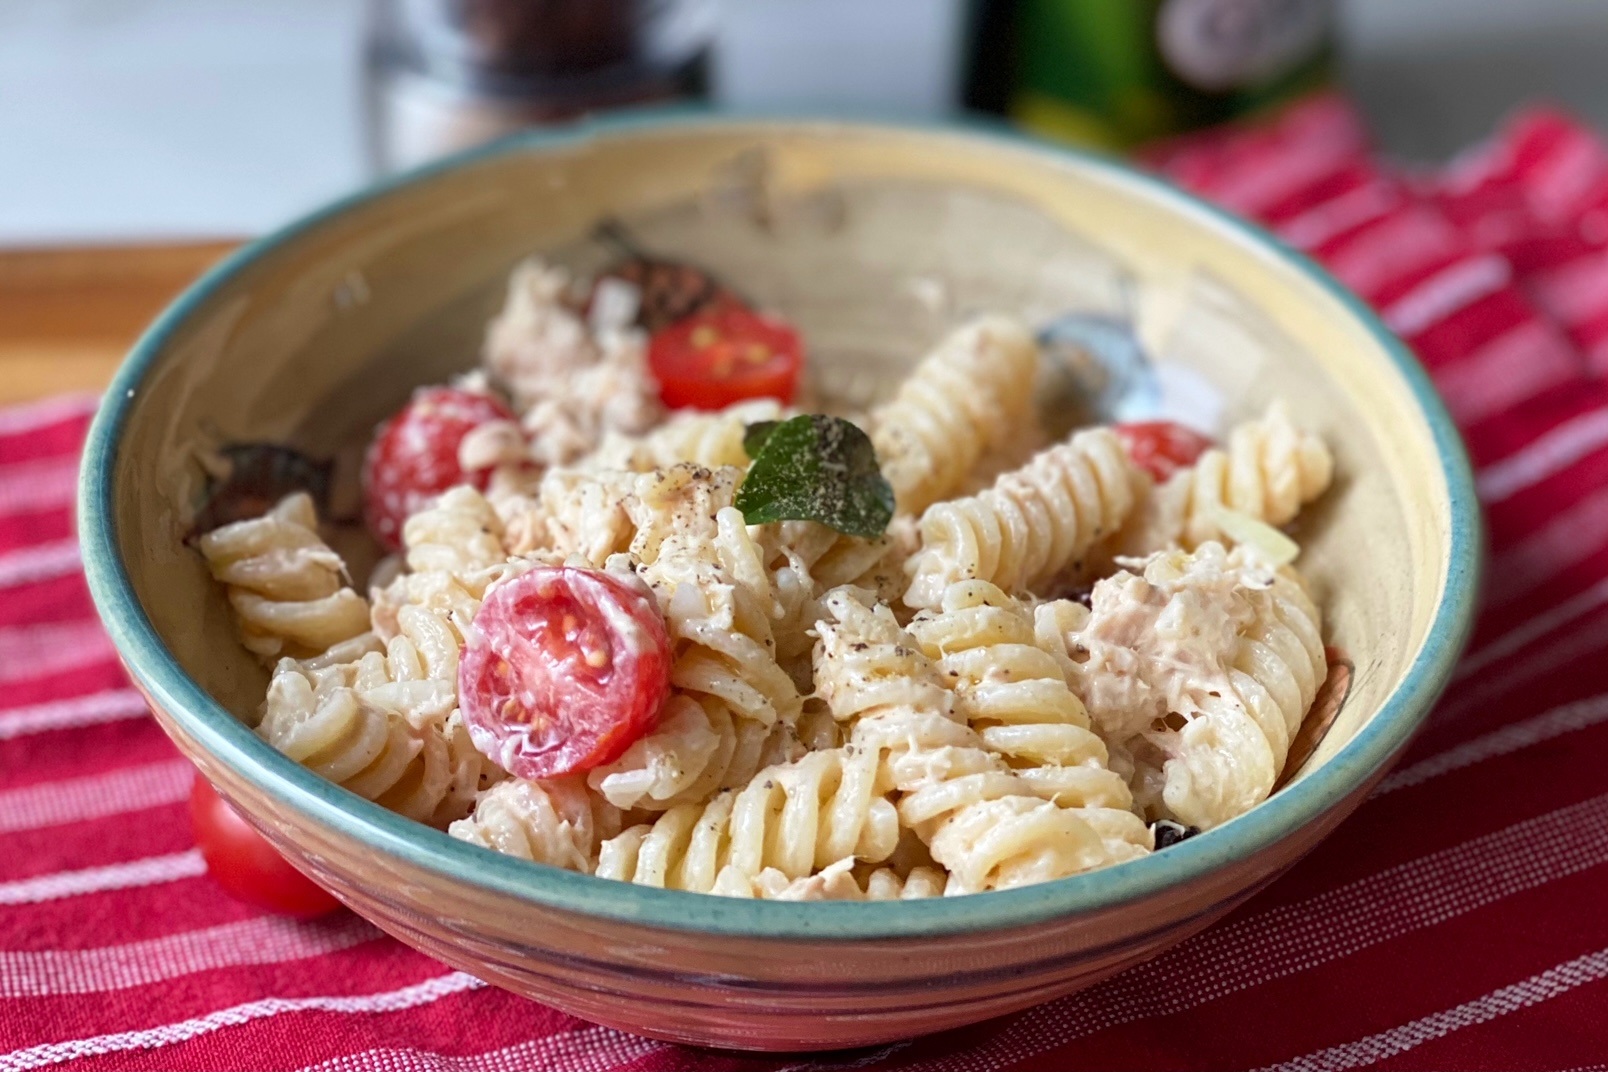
(1161, 448)
(565, 668)
(725, 355)
(246, 865)
(414, 456)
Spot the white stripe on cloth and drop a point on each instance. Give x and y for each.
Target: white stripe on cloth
(1449, 290)
(1518, 364)
(1570, 537)
(1576, 644)
(406, 997)
(1543, 986)
(44, 484)
(1577, 292)
(1291, 938)
(28, 652)
(1351, 209)
(1544, 456)
(1532, 629)
(71, 800)
(91, 709)
(41, 562)
(15, 420)
(1564, 174)
(1376, 255)
(589, 1049)
(1277, 176)
(1582, 714)
(149, 871)
(260, 940)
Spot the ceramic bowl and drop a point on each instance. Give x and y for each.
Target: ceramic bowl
(873, 239)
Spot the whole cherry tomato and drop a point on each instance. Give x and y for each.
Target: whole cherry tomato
(246, 865)
(1161, 448)
(565, 668)
(725, 355)
(414, 456)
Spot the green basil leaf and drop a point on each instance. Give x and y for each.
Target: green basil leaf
(816, 468)
(755, 434)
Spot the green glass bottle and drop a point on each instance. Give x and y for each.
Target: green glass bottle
(1120, 72)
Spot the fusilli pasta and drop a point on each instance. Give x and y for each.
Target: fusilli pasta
(1211, 660)
(1269, 470)
(1031, 525)
(735, 706)
(286, 585)
(793, 819)
(326, 720)
(979, 819)
(708, 439)
(454, 552)
(557, 822)
(840, 882)
(969, 395)
(1016, 696)
(698, 748)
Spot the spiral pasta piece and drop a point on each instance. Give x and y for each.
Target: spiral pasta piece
(286, 585)
(555, 821)
(979, 819)
(967, 396)
(793, 819)
(1268, 471)
(886, 884)
(459, 533)
(839, 882)
(430, 773)
(711, 440)
(454, 552)
(734, 706)
(1205, 664)
(1015, 695)
(1227, 758)
(596, 514)
(1032, 524)
(697, 749)
(804, 560)
(718, 610)
(416, 674)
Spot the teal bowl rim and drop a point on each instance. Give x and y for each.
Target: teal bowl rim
(1297, 804)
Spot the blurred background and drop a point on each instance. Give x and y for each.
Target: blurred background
(173, 119)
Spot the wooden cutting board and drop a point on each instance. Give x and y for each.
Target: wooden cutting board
(68, 315)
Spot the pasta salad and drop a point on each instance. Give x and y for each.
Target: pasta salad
(647, 617)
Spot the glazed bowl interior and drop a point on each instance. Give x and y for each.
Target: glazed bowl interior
(874, 240)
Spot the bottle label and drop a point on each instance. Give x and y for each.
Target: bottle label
(1221, 45)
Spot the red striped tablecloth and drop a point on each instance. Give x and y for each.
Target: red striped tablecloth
(1458, 921)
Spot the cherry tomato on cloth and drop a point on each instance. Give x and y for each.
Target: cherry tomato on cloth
(725, 355)
(566, 668)
(246, 865)
(1161, 448)
(414, 456)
